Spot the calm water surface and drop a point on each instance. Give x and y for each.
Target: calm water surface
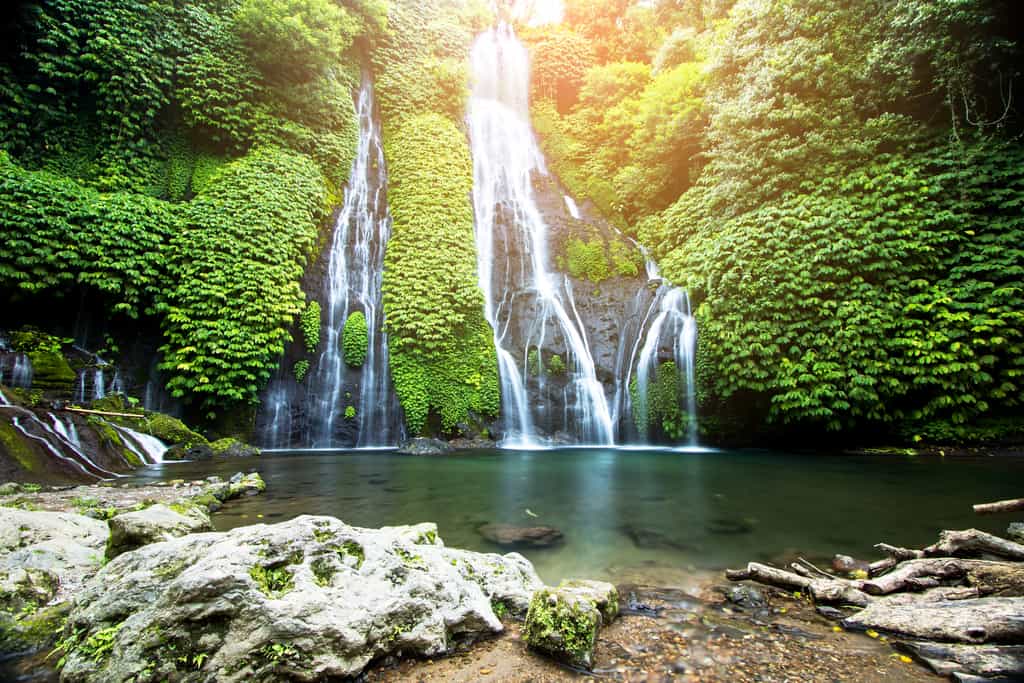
(634, 515)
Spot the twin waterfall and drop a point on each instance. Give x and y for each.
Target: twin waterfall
(559, 384)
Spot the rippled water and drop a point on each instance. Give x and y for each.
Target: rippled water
(633, 514)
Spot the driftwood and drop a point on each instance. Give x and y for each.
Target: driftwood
(966, 590)
(955, 543)
(983, 620)
(1016, 505)
(829, 591)
(984, 660)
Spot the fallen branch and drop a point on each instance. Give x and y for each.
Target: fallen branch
(1015, 505)
(951, 544)
(137, 416)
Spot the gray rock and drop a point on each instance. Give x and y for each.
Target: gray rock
(424, 446)
(65, 546)
(746, 596)
(154, 524)
(9, 489)
(602, 594)
(310, 599)
(249, 485)
(520, 536)
(1016, 532)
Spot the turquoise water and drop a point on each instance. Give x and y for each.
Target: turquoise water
(634, 515)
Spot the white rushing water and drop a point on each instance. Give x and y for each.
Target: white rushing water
(149, 449)
(512, 248)
(353, 283)
(21, 372)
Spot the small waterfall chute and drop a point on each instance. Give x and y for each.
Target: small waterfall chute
(149, 449)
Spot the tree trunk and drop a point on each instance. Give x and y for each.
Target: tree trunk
(1015, 505)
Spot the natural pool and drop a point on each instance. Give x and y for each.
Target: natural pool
(634, 515)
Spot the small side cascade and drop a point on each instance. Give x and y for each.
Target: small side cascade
(68, 431)
(674, 328)
(21, 372)
(148, 448)
(54, 440)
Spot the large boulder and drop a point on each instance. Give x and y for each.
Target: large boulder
(310, 599)
(154, 524)
(65, 547)
(233, 448)
(563, 622)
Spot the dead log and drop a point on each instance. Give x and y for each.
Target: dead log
(824, 590)
(989, 578)
(953, 544)
(940, 594)
(1015, 505)
(983, 620)
(979, 660)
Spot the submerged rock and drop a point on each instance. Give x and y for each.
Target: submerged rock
(310, 599)
(1016, 532)
(519, 536)
(563, 622)
(154, 524)
(424, 446)
(233, 448)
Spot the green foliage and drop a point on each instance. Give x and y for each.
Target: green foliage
(273, 582)
(587, 259)
(421, 64)
(57, 232)
(295, 39)
(442, 350)
(300, 370)
(556, 366)
(310, 324)
(109, 105)
(885, 293)
(350, 412)
(559, 59)
(355, 340)
(235, 269)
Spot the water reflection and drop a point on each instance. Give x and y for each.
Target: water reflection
(645, 514)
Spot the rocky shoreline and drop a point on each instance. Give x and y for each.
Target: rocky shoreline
(127, 582)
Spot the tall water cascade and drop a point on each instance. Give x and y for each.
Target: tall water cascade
(530, 308)
(351, 283)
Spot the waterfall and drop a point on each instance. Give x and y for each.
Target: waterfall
(68, 432)
(525, 304)
(54, 441)
(99, 388)
(21, 373)
(353, 283)
(673, 327)
(149, 449)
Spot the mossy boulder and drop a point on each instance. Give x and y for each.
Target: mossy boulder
(184, 443)
(602, 594)
(232, 448)
(51, 372)
(563, 624)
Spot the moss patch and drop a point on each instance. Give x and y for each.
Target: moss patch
(562, 626)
